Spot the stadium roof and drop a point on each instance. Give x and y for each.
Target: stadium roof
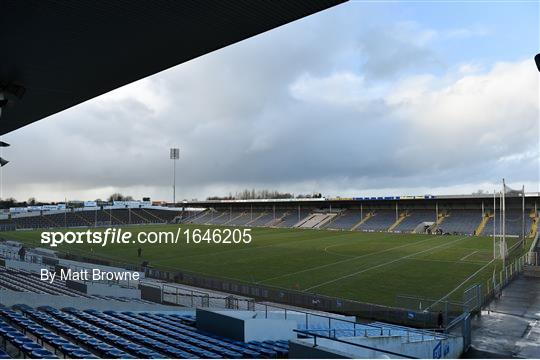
(56, 54)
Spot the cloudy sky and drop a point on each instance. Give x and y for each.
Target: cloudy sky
(365, 98)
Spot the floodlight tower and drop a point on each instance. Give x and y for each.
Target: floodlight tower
(174, 155)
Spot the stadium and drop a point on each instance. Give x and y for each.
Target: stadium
(256, 276)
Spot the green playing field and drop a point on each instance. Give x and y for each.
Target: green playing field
(369, 267)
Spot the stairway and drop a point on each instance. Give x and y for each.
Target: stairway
(439, 221)
(234, 218)
(277, 220)
(534, 225)
(482, 224)
(401, 217)
(315, 221)
(368, 216)
(111, 216)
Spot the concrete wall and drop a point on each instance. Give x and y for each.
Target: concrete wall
(268, 329)
(150, 293)
(220, 324)
(301, 351)
(450, 348)
(244, 326)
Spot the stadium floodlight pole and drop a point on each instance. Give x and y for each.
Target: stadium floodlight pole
(174, 155)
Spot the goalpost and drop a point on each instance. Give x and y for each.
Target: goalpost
(500, 244)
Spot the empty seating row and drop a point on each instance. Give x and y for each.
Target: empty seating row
(24, 281)
(292, 218)
(414, 218)
(461, 222)
(346, 220)
(380, 221)
(14, 338)
(91, 218)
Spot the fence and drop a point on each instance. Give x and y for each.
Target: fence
(383, 353)
(428, 310)
(297, 298)
(499, 281)
(319, 324)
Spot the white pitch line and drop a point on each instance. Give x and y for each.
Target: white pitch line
(460, 285)
(451, 261)
(466, 256)
(335, 253)
(381, 265)
(342, 261)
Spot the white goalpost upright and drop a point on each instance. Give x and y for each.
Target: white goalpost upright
(500, 243)
(494, 224)
(503, 233)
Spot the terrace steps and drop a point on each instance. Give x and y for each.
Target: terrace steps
(152, 215)
(50, 221)
(327, 224)
(439, 221)
(276, 221)
(368, 216)
(401, 217)
(140, 216)
(327, 220)
(234, 218)
(199, 216)
(220, 215)
(482, 225)
(83, 219)
(256, 218)
(315, 221)
(534, 225)
(109, 212)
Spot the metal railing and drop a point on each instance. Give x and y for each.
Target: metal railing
(313, 336)
(506, 275)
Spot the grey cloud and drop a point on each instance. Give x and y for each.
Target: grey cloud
(237, 124)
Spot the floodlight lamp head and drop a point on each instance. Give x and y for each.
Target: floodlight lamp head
(174, 153)
(537, 60)
(3, 162)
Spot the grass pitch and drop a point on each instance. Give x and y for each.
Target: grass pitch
(368, 267)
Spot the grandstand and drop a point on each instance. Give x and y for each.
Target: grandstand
(93, 217)
(453, 215)
(156, 317)
(449, 214)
